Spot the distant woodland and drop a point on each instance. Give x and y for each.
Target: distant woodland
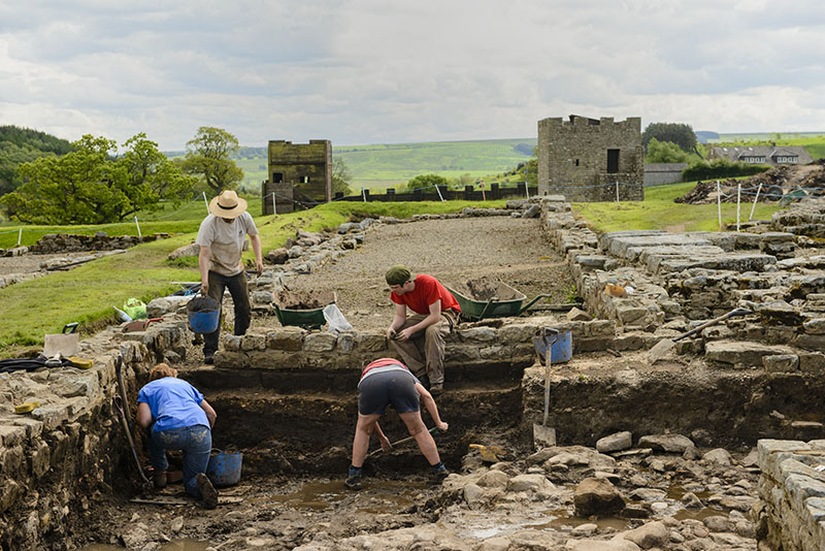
(21, 145)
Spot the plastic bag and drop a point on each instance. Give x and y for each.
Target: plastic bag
(336, 320)
(134, 308)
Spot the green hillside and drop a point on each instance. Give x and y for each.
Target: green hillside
(385, 165)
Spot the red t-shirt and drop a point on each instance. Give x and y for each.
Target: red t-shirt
(383, 362)
(427, 291)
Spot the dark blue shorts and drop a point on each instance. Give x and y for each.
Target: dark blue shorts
(378, 390)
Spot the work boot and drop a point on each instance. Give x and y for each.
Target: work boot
(437, 390)
(439, 473)
(209, 494)
(159, 479)
(208, 359)
(353, 481)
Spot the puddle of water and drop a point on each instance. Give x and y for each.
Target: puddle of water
(698, 514)
(563, 517)
(185, 544)
(384, 496)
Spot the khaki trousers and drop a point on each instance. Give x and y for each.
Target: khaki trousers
(424, 353)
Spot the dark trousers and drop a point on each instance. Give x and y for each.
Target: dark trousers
(240, 298)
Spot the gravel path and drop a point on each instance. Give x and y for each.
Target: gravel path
(453, 250)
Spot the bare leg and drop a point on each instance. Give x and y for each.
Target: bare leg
(361, 442)
(423, 438)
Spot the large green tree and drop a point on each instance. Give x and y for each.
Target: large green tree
(22, 145)
(341, 176)
(208, 157)
(678, 133)
(665, 152)
(425, 181)
(93, 185)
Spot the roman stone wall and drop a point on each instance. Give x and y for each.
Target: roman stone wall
(573, 158)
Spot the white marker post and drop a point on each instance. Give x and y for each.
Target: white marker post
(274, 207)
(138, 228)
(19, 237)
(738, 203)
(437, 190)
(617, 191)
(719, 203)
(205, 202)
(754, 202)
(363, 195)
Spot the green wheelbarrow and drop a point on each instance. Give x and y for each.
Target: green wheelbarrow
(501, 301)
(302, 309)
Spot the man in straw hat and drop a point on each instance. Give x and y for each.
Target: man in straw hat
(419, 338)
(222, 237)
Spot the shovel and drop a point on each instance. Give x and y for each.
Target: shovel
(544, 436)
(433, 431)
(61, 344)
(666, 345)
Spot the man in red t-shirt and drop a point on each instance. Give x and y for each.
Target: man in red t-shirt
(419, 338)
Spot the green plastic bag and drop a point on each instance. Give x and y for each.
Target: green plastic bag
(134, 308)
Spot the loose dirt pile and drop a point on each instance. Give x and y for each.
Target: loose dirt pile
(776, 182)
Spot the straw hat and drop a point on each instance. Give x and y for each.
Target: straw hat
(227, 205)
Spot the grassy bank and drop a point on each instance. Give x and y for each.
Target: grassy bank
(86, 294)
(658, 211)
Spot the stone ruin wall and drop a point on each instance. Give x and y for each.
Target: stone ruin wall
(572, 158)
(53, 460)
(294, 162)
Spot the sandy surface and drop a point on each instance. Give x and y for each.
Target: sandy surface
(453, 250)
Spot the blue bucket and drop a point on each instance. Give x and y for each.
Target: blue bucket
(224, 469)
(206, 319)
(561, 344)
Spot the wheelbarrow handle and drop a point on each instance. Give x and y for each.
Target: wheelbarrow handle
(532, 302)
(71, 327)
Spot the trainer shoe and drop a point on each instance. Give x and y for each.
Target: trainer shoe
(209, 494)
(353, 481)
(440, 473)
(159, 479)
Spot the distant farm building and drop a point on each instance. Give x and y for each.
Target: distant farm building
(657, 174)
(298, 173)
(762, 155)
(588, 159)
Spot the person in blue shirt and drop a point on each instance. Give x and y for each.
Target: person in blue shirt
(177, 417)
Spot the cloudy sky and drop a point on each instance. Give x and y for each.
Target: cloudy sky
(384, 71)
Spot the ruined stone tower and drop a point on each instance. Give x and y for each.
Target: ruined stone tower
(584, 158)
(299, 171)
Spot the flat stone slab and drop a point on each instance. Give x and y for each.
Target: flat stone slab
(744, 353)
(620, 246)
(737, 262)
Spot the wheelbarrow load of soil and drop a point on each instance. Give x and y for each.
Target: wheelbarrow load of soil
(488, 297)
(302, 308)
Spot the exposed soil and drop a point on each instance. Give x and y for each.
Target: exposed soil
(454, 251)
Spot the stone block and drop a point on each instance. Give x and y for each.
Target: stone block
(288, 338)
(251, 342)
(744, 353)
(599, 328)
(40, 459)
(13, 461)
(811, 342)
(33, 427)
(513, 334)
(346, 343)
(814, 326)
(812, 362)
(371, 342)
(12, 435)
(10, 491)
(477, 334)
(781, 363)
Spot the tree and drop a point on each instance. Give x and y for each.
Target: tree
(664, 152)
(425, 181)
(91, 185)
(341, 176)
(207, 156)
(680, 134)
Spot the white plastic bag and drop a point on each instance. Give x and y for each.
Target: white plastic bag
(336, 320)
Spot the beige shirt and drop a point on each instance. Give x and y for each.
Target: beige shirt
(226, 241)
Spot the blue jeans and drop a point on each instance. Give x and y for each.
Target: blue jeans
(196, 444)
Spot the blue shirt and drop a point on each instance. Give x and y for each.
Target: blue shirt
(174, 404)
